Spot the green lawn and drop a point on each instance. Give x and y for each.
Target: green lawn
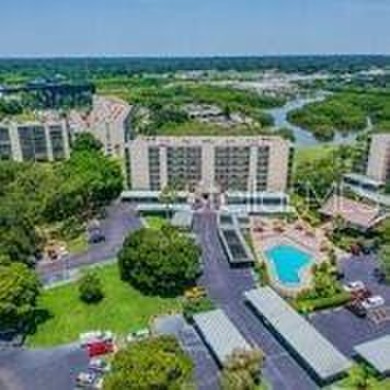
(206, 129)
(122, 310)
(155, 222)
(78, 244)
(304, 154)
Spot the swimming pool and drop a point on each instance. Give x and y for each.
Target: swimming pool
(288, 262)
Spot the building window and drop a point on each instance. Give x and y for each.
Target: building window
(5, 144)
(57, 142)
(33, 143)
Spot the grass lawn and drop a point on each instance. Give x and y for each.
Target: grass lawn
(304, 154)
(123, 310)
(78, 244)
(155, 222)
(206, 129)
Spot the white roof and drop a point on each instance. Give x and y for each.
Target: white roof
(376, 353)
(220, 334)
(182, 219)
(313, 348)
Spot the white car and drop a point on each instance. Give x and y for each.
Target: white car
(354, 286)
(99, 365)
(138, 335)
(91, 337)
(85, 379)
(373, 302)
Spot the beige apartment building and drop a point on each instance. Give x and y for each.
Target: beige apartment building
(34, 141)
(209, 164)
(378, 165)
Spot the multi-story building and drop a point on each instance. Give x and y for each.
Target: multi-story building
(34, 141)
(209, 164)
(108, 121)
(378, 165)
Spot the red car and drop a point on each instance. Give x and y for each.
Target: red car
(100, 348)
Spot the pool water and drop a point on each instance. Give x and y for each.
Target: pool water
(288, 262)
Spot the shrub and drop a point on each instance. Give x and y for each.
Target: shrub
(194, 306)
(90, 288)
(309, 305)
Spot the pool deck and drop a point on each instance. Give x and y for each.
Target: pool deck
(268, 233)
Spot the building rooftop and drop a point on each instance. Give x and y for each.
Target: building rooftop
(363, 179)
(376, 353)
(215, 140)
(356, 213)
(323, 359)
(182, 219)
(220, 334)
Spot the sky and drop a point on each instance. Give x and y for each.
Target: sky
(193, 27)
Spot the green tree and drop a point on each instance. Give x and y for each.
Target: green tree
(384, 258)
(242, 370)
(155, 363)
(90, 288)
(89, 181)
(159, 262)
(86, 142)
(19, 289)
(168, 196)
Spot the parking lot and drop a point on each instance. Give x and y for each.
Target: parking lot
(343, 328)
(50, 369)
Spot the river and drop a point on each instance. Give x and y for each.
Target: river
(302, 136)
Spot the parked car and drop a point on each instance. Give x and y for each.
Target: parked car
(379, 275)
(373, 302)
(195, 293)
(357, 308)
(100, 348)
(354, 286)
(99, 365)
(86, 379)
(95, 236)
(138, 335)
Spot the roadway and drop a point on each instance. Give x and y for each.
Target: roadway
(226, 287)
(120, 220)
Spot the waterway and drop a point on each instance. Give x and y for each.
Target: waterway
(304, 137)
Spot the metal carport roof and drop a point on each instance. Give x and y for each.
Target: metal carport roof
(316, 352)
(220, 334)
(376, 353)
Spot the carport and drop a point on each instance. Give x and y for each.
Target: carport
(322, 360)
(377, 354)
(220, 334)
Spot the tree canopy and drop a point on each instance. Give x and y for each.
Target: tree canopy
(242, 370)
(156, 363)
(32, 195)
(86, 142)
(19, 289)
(159, 262)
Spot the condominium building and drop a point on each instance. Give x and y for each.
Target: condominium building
(378, 165)
(34, 141)
(209, 164)
(108, 121)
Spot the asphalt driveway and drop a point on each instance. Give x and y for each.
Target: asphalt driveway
(121, 219)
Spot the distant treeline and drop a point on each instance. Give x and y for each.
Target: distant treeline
(86, 68)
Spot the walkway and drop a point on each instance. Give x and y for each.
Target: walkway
(226, 287)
